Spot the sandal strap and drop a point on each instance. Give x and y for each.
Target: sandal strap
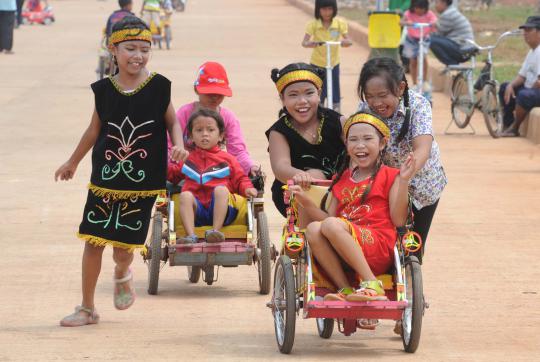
(126, 278)
(375, 285)
(346, 291)
(80, 308)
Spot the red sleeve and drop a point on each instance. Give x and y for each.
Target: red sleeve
(174, 172)
(240, 182)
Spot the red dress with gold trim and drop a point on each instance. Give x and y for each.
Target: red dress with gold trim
(370, 222)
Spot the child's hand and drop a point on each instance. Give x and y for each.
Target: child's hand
(178, 154)
(65, 172)
(407, 169)
(251, 192)
(303, 179)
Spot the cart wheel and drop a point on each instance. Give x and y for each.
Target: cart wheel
(194, 273)
(325, 326)
(47, 21)
(264, 264)
(101, 68)
(462, 104)
(209, 274)
(284, 304)
(154, 263)
(168, 37)
(412, 315)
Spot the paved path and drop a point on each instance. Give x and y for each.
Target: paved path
(481, 273)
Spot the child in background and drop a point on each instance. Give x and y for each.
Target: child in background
(418, 13)
(132, 115)
(367, 200)
(326, 27)
(125, 10)
(150, 12)
(212, 86)
(213, 179)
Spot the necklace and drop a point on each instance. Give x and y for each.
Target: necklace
(306, 131)
(356, 177)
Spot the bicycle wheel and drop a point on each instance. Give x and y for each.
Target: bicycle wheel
(462, 103)
(264, 264)
(194, 273)
(491, 110)
(325, 327)
(101, 68)
(284, 304)
(154, 264)
(412, 315)
(168, 37)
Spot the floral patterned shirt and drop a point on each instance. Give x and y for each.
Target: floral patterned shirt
(427, 185)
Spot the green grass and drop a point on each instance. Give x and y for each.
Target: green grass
(487, 25)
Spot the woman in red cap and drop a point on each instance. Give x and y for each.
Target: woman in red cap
(212, 86)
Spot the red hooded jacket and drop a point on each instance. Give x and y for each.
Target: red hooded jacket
(203, 170)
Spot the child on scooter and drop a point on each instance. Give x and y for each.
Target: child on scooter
(213, 179)
(418, 13)
(326, 27)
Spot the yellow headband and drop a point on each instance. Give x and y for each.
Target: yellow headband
(298, 76)
(369, 119)
(130, 34)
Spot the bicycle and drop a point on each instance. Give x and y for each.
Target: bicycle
(468, 94)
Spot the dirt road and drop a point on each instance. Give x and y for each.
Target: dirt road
(481, 274)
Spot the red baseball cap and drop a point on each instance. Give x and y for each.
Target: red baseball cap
(212, 79)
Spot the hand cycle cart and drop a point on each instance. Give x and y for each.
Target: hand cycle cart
(295, 290)
(247, 242)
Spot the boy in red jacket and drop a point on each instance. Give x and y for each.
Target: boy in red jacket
(213, 179)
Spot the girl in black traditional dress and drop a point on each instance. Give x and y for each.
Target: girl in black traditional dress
(305, 143)
(127, 132)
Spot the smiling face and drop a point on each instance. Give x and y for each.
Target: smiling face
(364, 145)
(380, 98)
(205, 132)
(301, 101)
(211, 101)
(132, 55)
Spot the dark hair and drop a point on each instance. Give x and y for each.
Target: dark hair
(130, 22)
(276, 74)
(324, 4)
(205, 112)
(448, 2)
(124, 3)
(421, 4)
(393, 73)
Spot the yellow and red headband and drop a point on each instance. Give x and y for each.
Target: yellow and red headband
(120, 36)
(369, 119)
(298, 76)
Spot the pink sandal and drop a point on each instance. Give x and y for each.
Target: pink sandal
(122, 299)
(78, 319)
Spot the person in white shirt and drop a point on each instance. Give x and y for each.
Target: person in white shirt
(522, 94)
